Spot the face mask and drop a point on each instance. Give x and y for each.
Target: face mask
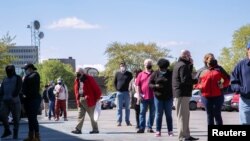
(149, 67)
(123, 69)
(162, 72)
(212, 63)
(78, 75)
(27, 72)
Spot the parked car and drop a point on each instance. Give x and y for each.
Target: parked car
(235, 102)
(196, 96)
(200, 105)
(108, 102)
(228, 95)
(227, 102)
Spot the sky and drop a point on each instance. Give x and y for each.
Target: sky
(83, 29)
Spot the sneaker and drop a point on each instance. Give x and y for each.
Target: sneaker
(191, 139)
(119, 124)
(150, 131)
(56, 119)
(65, 119)
(158, 134)
(6, 133)
(77, 131)
(170, 133)
(140, 131)
(94, 132)
(129, 124)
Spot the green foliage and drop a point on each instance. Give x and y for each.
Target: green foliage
(5, 57)
(230, 56)
(134, 56)
(53, 69)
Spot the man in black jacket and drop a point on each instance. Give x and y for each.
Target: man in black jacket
(182, 84)
(32, 100)
(121, 83)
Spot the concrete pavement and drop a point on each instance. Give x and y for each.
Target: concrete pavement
(61, 130)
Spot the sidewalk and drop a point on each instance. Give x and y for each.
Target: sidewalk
(61, 130)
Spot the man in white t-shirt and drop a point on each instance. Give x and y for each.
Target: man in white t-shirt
(61, 94)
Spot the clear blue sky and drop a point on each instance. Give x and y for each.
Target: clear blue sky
(84, 28)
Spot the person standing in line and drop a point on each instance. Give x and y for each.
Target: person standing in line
(240, 83)
(32, 100)
(182, 84)
(161, 83)
(10, 101)
(135, 102)
(87, 94)
(51, 97)
(45, 100)
(146, 97)
(121, 83)
(61, 95)
(212, 78)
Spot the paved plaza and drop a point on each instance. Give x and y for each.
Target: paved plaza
(61, 130)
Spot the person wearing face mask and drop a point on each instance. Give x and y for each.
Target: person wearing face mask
(51, 97)
(87, 94)
(32, 100)
(121, 84)
(146, 97)
(182, 86)
(212, 78)
(161, 83)
(135, 103)
(10, 100)
(61, 95)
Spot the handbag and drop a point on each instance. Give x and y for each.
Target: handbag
(97, 110)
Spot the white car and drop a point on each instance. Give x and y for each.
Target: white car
(108, 102)
(196, 96)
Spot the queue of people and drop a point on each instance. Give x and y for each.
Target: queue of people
(147, 90)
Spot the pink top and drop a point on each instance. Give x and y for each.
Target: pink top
(142, 81)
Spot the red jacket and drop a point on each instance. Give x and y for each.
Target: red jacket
(91, 90)
(209, 80)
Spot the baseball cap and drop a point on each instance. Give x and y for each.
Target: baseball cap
(29, 65)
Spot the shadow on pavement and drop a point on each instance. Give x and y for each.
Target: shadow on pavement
(47, 134)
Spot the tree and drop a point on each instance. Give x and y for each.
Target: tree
(134, 56)
(5, 57)
(53, 69)
(231, 55)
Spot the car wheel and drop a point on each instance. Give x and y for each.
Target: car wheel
(102, 107)
(192, 106)
(223, 108)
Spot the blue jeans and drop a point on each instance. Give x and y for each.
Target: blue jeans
(244, 111)
(51, 109)
(213, 108)
(123, 98)
(144, 105)
(162, 106)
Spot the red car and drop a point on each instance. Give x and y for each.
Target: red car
(235, 102)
